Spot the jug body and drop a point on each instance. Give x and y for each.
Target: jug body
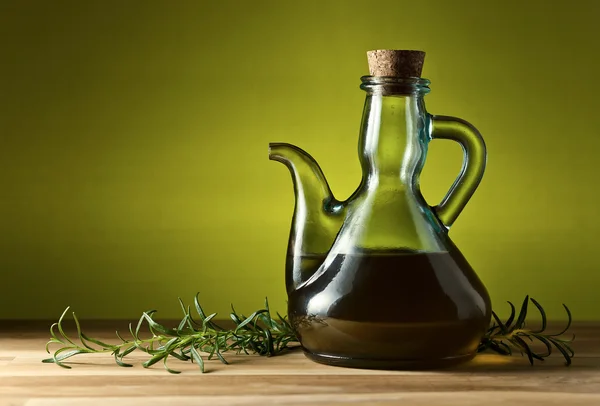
(375, 281)
(394, 309)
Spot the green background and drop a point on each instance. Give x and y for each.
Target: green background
(133, 143)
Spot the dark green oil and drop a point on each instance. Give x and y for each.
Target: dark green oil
(397, 309)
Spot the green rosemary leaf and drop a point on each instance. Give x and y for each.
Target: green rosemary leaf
(159, 327)
(183, 323)
(211, 352)
(192, 324)
(249, 319)
(207, 320)
(119, 360)
(80, 334)
(522, 314)
(560, 347)
(497, 347)
(60, 329)
(139, 345)
(221, 358)
(568, 322)
(167, 347)
(202, 315)
(136, 335)
(501, 325)
(542, 313)
(243, 347)
(53, 333)
(270, 349)
(198, 307)
(95, 341)
(284, 322)
(63, 353)
(266, 317)
(512, 314)
(151, 327)
(196, 357)
(120, 337)
(523, 346)
(155, 358)
(132, 332)
(128, 351)
(187, 318)
(182, 305)
(494, 330)
(566, 345)
(544, 341)
(235, 318)
(180, 357)
(52, 341)
(506, 347)
(172, 371)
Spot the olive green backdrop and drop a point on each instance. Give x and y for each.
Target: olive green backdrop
(133, 143)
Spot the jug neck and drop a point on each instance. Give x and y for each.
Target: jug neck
(393, 136)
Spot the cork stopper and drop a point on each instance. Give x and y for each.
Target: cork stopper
(396, 63)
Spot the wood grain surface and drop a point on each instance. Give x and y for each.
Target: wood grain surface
(288, 379)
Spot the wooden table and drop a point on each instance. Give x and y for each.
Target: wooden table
(289, 379)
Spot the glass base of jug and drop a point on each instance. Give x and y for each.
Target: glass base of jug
(391, 364)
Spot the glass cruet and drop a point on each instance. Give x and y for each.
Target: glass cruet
(374, 281)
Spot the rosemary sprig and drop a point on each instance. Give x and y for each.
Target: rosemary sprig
(192, 340)
(261, 334)
(512, 334)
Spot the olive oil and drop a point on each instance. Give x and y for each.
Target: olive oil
(391, 309)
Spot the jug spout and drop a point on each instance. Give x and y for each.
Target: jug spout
(310, 185)
(317, 218)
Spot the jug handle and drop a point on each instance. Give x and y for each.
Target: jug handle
(474, 161)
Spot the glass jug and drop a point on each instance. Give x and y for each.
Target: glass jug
(375, 281)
